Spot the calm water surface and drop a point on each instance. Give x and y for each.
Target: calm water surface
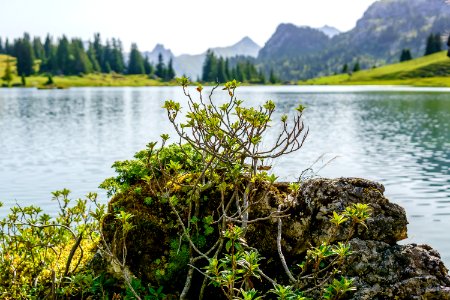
(398, 136)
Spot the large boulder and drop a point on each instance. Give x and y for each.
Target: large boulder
(380, 268)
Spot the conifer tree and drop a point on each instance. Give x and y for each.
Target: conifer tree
(160, 67)
(116, 60)
(49, 64)
(448, 45)
(433, 44)
(272, 78)
(221, 72)
(98, 50)
(81, 62)
(209, 73)
(64, 56)
(406, 55)
(170, 72)
(93, 58)
(437, 42)
(345, 69)
(136, 61)
(38, 48)
(148, 67)
(8, 48)
(1, 46)
(23, 51)
(356, 67)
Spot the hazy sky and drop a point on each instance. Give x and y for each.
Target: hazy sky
(183, 26)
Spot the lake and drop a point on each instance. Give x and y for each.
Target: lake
(398, 136)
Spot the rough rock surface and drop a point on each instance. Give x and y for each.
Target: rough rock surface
(380, 267)
(383, 271)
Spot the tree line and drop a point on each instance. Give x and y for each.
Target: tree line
(75, 57)
(219, 69)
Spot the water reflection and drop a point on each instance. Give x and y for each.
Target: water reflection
(69, 138)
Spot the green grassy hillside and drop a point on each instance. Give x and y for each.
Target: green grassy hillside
(431, 70)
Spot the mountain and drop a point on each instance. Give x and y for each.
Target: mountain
(159, 49)
(290, 40)
(329, 31)
(245, 47)
(191, 65)
(387, 27)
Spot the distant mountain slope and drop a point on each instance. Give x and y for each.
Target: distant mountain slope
(387, 27)
(435, 66)
(290, 41)
(191, 65)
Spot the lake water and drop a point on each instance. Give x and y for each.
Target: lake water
(399, 136)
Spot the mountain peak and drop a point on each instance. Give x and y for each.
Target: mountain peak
(329, 30)
(157, 50)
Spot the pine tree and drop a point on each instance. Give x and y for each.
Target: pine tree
(49, 64)
(272, 78)
(8, 76)
(356, 67)
(160, 67)
(116, 59)
(136, 61)
(2, 50)
(64, 57)
(434, 44)
(448, 45)
(221, 72)
(23, 51)
(406, 55)
(210, 67)
(170, 72)
(38, 48)
(148, 66)
(228, 75)
(8, 48)
(107, 57)
(98, 50)
(81, 63)
(345, 69)
(93, 58)
(437, 42)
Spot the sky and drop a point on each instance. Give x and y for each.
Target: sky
(182, 26)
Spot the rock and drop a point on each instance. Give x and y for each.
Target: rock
(309, 220)
(383, 271)
(380, 268)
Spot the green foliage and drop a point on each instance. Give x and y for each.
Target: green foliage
(338, 288)
(44, 255)
(184, 159)
(8, 76)
(286, 293)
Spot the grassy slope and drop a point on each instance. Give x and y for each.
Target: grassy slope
(86, 80)
(431, 70)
